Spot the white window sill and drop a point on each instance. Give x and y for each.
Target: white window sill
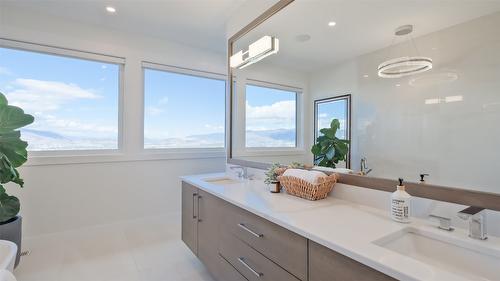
(79, 157)
(271, 151)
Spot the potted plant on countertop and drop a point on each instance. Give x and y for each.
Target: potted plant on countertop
(272, 178)
(13, 154)
(329, 149)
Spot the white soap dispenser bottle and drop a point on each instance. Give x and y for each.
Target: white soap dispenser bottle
(400, 204)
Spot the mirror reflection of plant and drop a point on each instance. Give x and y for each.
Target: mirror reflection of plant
(329, 149)
(271, 174)
(13, 154)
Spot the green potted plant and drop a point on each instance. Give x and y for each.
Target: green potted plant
(329, 149)
(13, 154)
(272, 178)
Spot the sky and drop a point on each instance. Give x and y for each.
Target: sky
(70, 98)
(179, 106)
(328, 111)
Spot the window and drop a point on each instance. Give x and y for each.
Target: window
(74, 101)
(183, 110)
(325, 110)
(271, 117)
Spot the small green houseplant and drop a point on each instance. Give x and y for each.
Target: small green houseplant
(13, 154)
(329, 149)
(271, 174)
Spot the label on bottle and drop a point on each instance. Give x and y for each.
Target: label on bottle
(400, 210)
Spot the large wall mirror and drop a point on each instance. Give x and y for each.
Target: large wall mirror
(422, 79)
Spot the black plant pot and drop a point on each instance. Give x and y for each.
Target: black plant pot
(11, 230)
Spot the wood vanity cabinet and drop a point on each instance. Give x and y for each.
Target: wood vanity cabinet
(328, 265)
(236, 245)
(189, 232)
(201, 230)
(209, 208)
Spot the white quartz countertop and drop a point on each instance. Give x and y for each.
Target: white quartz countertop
(343, 226)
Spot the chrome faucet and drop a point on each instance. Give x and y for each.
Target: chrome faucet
(477, 221)
(444, 223)
(364, 167)
(242, 173)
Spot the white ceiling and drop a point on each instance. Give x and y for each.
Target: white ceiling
(362, 26)
(199, 23)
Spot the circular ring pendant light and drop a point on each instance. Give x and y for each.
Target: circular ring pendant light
(407, 65)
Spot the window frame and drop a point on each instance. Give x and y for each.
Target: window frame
(299, 123)
(56, 156)
(318, 102)
(185, 152)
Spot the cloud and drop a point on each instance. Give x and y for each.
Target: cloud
(163, 101)
(279, 115)
(214, 128)
(159, 108)
(72, 127)
(39, 95)
(279, 110)
(154, 111)
(5, 71)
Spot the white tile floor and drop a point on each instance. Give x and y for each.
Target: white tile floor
(140, 250)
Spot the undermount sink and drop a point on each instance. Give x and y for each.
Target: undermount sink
(450, 254)
(222, 181)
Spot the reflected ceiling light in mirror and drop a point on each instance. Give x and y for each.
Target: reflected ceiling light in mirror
(453, 99)
(447, 99)
(257, 51)
(110, 9)
(431, 79)
(407, 65)
(332, 23)
(432, 101)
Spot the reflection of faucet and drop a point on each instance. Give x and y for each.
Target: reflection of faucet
(364, 167)
(242, 173)
(477, 221)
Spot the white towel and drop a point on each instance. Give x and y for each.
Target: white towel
(334, 170)
(309, 176)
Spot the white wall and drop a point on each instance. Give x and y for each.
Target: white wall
(401, 135)
(62, 197)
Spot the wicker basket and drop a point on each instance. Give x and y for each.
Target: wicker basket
(301, 188)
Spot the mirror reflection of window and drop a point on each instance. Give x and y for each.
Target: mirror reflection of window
(271, 117)
(333, 108)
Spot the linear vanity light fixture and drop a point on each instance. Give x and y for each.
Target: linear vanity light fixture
(258, 50)
(407, 65)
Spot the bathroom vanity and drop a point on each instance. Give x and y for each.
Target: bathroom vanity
(235, 244)
(240, 231)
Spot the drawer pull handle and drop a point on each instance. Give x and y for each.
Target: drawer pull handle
(256, 273)
(194, 204)
(244, 227)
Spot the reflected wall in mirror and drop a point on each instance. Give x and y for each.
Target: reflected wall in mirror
(442, 122)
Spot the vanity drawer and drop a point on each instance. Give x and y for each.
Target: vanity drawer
(250, 263)
(226, 272)
(325, 264)
(280, 245)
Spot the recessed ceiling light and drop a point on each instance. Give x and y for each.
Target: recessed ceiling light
(110, 9)
(398, 85)
(332, 23)
(366, 75)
